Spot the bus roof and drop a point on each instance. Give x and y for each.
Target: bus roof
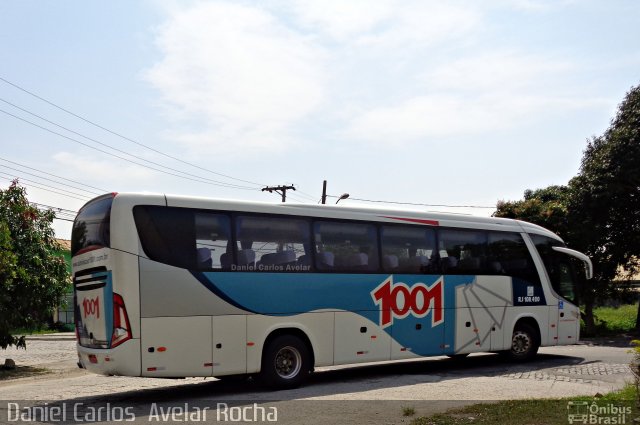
(343, 211)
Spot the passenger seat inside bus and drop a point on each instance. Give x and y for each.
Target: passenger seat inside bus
(414, 264)
(278, 258)
(449, 264)
(203, 256)
(469, 264)
(246, 257)
(325, 260)
(390, 262)
(359, 261)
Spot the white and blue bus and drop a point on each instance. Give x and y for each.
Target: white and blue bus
(173, 286)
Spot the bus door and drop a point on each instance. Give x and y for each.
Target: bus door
(564, 282)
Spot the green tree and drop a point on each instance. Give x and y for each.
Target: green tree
(33, 277)
(606, 201)
(546, 207)
(598, 212)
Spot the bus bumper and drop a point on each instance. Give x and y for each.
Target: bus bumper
(122, 360)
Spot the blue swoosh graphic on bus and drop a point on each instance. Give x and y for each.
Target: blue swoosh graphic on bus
(280, 294)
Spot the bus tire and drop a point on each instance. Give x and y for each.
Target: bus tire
(286, 362)
(524, 343)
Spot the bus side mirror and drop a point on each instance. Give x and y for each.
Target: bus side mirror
(588, 266)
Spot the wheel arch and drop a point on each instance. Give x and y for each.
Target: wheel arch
(531, 321)
(297, 332)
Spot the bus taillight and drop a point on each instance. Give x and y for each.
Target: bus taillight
(121, 326)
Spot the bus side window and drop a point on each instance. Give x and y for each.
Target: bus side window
(160, 241)
(407, 249)
(508, 255)
(346, 246)
(463, 251)
(272, 243)
(212, 237)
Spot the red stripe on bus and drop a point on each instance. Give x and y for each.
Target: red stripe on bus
(89, 249)
(415, 220)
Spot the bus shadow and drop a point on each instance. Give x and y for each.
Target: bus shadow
(343, 380)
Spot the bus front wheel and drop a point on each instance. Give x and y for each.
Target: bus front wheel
(286, 362)
(524, 343)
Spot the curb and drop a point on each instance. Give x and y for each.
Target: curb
(62, 336)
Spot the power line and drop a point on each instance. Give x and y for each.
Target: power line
(44, 184)
(54, 175)
(306, 195)
(55, 208)
(417, 204)
(50, 180)
(230, 185)
(49, 190)
(63, 219)
(125, 137)
(281, 190)
(122, 158)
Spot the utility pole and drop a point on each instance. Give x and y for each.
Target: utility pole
(324, 194)
(282, 190)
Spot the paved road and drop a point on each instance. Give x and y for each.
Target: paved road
(377, 391)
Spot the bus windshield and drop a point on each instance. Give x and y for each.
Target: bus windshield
(559, 267)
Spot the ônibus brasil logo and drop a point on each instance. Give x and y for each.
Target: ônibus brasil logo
(398, 300)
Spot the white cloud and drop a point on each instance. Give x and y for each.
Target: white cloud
(495, 71)
(421, 24)
(245, 79)
(387, 23)
(474, 96)
(343, 20)
(426, 117)
(240, 74)
(536, 5)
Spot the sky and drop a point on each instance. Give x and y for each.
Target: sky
(457, 103)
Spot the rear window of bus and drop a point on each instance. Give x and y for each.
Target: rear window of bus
(91, 228)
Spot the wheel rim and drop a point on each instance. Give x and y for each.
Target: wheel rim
(521, 342)
(288, 362)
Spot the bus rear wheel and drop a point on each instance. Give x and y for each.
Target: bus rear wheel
(285, 362)
(524, 343)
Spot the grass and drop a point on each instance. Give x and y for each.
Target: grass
(615, 320)
(408, 411)
(59, 327)
(20, 372)
(531, 412)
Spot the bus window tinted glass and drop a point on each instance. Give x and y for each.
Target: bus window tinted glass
(462, 251)
(508, 255)
(91, 228)
(408, 249)
(183, 237)
(346, 246)
(212, 240)
(272, 244)
(559, 267)
(167, 235)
